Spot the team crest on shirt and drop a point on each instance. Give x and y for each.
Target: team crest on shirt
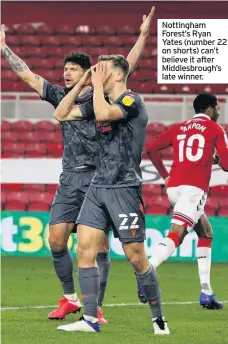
(128, 100)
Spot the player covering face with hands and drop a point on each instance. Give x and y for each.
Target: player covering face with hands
(114, 198)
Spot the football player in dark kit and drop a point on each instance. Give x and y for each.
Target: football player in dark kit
(114, 197)
(79, 162)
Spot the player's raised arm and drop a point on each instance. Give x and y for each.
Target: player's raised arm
(136, 52)
(162, 142)
(222, 148)
(67, 110)
(19, 67)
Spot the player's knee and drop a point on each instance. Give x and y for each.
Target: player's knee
(57, 241)
(86, 252)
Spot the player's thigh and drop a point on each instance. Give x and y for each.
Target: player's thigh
(189, 206)
(126, 212)
(172, 194)
(203, 227)
(66, 203)
(92, 213)
(104, 244)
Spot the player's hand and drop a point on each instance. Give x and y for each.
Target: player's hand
(145, 27)
(86, 79)
(3, 36)
(100, 74)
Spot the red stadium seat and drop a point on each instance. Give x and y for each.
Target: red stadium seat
(35, 187)
(145, 87)
(12, 86)
(22, 126)
(167, 154)
(55, 149)
(44, 126)
(41, 62)
(151, 189)
(224, 202)
(13, 40)
(92, 40)
(15, 205)
(35, 149)
(4, 64)
(50, 40)
(28, 137)
(16, 149)
(30, 41)
(115, 41)
(44, 29)
(38, 206)
(163, 89)
(67, 29)
(72, 42)
(58, 127)
(155, 128)
(126, 29)
(223, 212)
(8, 74)
(44, 197)
(40, 52)
(9, 136)
(11, 187)
(18, 196)
(213, 202)
(220, 190)
(209, 211)
(156, 209)
(3, 197)
(23, 52)
(105, 29)
(51, 137)
(53, 51)
(159, 200)
(5, 125)
(128, 41)
(25, 29)
(51, 188)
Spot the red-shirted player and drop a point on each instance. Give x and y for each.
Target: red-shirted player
(194, 144)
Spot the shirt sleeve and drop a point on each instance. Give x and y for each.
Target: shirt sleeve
(222, 148)
(163, 141)
(129, 105)
(52, 94)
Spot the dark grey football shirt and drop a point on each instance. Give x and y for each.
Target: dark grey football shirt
(79, 137)
(120, 145)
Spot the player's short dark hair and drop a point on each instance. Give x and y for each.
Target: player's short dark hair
(203, 101)
(118, 61)
(81, 59)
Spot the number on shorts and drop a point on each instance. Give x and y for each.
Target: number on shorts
(185, 148)
(125, 218)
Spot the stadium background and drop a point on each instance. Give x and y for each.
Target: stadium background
(41, 33)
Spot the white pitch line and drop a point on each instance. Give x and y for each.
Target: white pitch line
(105, 305)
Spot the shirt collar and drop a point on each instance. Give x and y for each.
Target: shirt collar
(201, 115)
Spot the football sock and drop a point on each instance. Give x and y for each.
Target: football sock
(103, 262)
(89, 280)
(164, 249)
(150, 284)
(63, 264)
(204, 264)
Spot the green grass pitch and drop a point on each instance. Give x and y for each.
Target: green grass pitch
(28, 282)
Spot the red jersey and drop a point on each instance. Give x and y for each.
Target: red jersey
(194, 144)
